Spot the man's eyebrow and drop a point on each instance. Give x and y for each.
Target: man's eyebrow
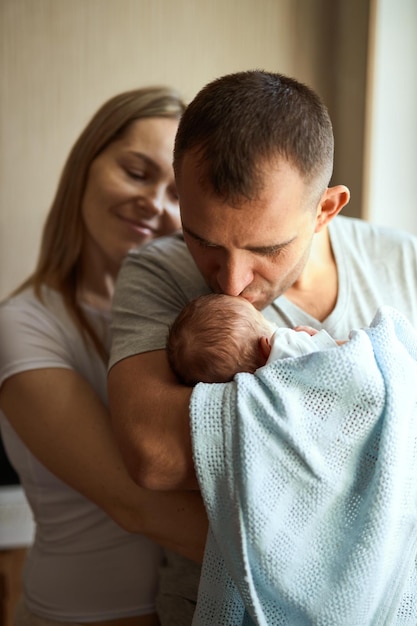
(257, 249)
(197, 237)
(206, 242)
(270, 249)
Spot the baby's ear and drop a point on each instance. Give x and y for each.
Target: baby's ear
(264, 348)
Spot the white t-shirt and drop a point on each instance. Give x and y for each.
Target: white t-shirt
(82, 566)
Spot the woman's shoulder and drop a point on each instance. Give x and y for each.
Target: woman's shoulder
(35, 329)
(28, 307)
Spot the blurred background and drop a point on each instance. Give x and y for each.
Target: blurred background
(59, 61)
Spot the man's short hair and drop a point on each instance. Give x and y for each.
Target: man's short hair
(240, 121)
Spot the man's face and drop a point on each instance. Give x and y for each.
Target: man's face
(258, 249)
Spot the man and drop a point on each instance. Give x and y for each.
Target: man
(253, 161)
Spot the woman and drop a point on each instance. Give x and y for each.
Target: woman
(117, 191)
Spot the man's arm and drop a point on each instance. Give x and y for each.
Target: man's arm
(150, 417)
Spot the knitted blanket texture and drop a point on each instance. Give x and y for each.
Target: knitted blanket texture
(308, 470)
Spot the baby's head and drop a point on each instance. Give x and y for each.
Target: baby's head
(214, 337)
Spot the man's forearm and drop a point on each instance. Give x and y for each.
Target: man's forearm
(150, 418)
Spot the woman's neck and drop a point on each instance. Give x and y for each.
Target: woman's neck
(96, 279)
(96, 293)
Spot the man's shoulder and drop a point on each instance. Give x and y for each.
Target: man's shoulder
(166, 257)
(164, 265)
(375, 239)
(162, 247)
(364, 228)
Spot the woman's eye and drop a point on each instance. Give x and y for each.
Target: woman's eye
(174, 195)
(136, 174)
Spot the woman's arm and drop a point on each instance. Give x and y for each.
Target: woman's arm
(65, 425)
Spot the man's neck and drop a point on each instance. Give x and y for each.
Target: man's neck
(315, 292)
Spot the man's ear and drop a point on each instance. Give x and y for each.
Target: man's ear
(331, 203)
(264, 348)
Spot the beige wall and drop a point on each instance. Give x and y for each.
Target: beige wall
(60, 59)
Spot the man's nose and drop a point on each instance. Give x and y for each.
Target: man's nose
(234, 276)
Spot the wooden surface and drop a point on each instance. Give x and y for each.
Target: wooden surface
(11, 564)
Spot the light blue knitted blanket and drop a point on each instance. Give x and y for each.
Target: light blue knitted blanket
(308, 470)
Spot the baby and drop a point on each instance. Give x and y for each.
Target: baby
(216, 336)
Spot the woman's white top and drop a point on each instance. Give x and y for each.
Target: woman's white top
(82, 566)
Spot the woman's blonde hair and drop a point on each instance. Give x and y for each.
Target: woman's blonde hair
(62, 238)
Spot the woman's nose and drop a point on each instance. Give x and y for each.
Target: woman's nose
(156, 200)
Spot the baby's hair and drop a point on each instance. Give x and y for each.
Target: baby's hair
(213, 338)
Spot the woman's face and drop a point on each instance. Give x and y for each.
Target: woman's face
(130, 195)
